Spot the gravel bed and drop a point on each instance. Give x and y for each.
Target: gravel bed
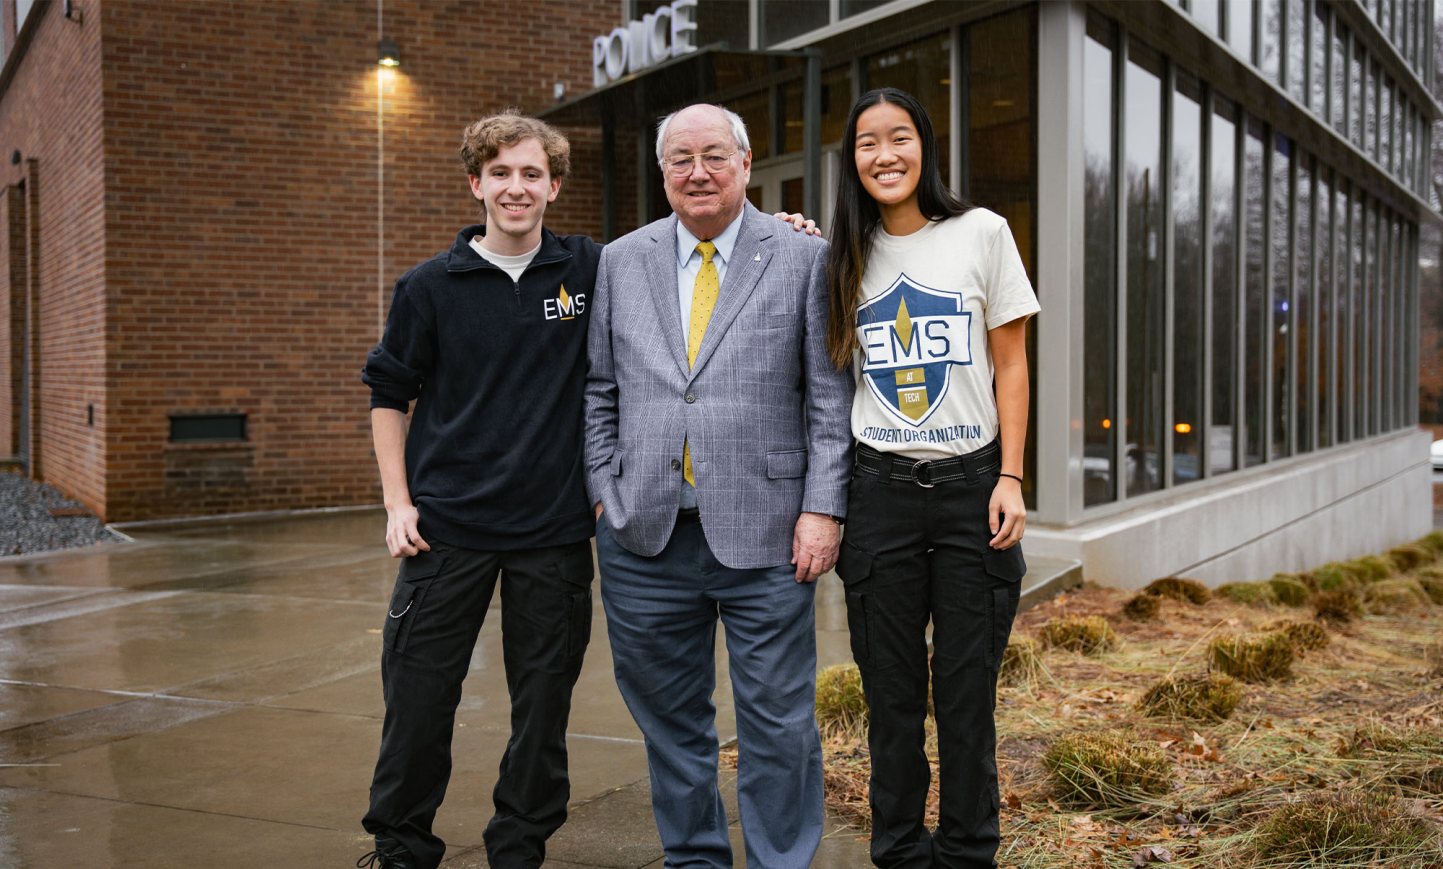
(26, 525)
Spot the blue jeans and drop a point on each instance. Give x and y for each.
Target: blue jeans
(661, 615)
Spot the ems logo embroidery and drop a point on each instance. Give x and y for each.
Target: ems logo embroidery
(564, 306)
(912, 336)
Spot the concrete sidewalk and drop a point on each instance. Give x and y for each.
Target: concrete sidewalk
(209, 696)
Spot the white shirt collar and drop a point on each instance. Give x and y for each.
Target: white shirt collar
(686, 242)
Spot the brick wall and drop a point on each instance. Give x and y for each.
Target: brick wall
(241, 253)
(54, 242)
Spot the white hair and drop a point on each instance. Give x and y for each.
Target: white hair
(739, 129)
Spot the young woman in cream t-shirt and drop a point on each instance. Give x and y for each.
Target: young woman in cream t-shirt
(929, 305)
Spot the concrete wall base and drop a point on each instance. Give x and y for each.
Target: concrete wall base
(1285, 516)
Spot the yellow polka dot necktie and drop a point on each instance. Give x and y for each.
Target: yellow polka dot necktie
(703, 300)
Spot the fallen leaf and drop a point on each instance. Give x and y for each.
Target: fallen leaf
(1151, 854)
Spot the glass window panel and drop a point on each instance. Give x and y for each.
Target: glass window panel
(1188, 336)
(717, 21)
(1142, 129)
(756, 112)
(1342, 301)
(1370, 102)
(1318, 69)
(1099, 396)
(1240, 28)
(1325, 338)
(836, 102)
(1370, 293)
(852, 7)
(1206, 13)
(924, 70)
(1339, 87)
(1281, 302)
(1396, 343)
(1255, 305)
(783, 19)
(1222, 195)
(791, 118)
(1001, 157)
(999, 139)
(1385, 125)
(1355, 96)
(1295, 28)
(1303, 309)
(1272, 39)
(1359, 289)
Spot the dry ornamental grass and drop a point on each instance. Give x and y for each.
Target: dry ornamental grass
(1177, 588)
(1336, 766)
(1089, 635)
(1263, 657)
(1210, 697)
(1142, 607)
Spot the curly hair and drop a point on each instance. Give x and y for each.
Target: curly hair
(484, 138)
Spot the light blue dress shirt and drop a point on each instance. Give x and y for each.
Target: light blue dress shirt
(688, 265)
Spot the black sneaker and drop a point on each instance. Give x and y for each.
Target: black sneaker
(388, 855)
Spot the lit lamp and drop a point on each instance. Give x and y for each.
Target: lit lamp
(388, 53)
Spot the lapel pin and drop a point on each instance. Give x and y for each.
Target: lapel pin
(757, 258)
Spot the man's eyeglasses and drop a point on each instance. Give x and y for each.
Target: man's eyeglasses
(681, 165)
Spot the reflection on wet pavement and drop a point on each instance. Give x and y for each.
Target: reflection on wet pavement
(210, 696)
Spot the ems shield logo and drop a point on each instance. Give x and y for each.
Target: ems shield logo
(911, 337)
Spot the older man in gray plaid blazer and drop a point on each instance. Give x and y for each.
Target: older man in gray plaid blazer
(717, 453)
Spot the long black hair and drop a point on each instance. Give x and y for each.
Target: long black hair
(856, 216)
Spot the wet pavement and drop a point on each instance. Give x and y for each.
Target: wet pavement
(210, 696)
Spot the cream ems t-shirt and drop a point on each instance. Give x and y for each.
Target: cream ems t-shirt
(924, 371)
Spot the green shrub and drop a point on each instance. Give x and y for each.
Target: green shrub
(1433, 540)
(1249, 593)
(1372, 568)
(1334, 576)
(1289, 589)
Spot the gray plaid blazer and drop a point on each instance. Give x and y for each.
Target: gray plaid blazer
(766, 414)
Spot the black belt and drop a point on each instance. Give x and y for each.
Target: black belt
(929, 472)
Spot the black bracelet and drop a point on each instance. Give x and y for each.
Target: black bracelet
(1013, 476)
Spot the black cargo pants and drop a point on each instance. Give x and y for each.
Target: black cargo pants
(911, 554)
(436, 612)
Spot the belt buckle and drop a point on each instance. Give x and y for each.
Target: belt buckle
(923, 465)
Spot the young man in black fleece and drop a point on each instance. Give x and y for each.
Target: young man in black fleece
(489, 341)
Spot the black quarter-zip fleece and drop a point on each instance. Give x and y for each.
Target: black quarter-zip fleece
(497, 370)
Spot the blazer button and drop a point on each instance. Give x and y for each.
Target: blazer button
(676, 464)
(690, 398)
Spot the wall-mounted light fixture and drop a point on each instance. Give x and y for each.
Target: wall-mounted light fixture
(388, 53)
